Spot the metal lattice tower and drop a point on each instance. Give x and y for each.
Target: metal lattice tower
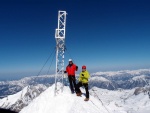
(60, 48)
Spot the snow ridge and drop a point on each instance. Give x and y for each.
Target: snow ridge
(21, 99)
(63, 103)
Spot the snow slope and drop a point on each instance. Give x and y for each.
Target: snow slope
(123, 101)
(63, 103)
(21, 99)
(12, 99)
(101, 101)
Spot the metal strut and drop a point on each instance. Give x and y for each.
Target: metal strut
(60, 49)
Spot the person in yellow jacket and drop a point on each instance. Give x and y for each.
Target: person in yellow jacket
(83, 81)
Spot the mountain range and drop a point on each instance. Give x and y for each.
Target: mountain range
(111, 80)
(118, 90)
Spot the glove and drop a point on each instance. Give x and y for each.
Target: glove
(76, 68)
(83, 75)
(65, 71)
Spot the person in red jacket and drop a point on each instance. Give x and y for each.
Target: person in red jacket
(70, 69)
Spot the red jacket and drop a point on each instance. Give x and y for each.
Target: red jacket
(71, 69)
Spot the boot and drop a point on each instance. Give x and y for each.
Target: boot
(86, 99)
(79, 94)
(72, 92)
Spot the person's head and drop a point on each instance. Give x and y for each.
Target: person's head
(70, 61)
(83, 68)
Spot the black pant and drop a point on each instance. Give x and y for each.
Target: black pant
(80, 84)
(72, 81)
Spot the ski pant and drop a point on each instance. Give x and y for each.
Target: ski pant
(80, 84)
(72, 81)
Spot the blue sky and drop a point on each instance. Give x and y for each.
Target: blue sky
(102, 34)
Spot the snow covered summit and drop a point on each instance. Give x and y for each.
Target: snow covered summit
(63, 103)
(33, 100)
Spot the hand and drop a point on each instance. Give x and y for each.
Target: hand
(65, 71)
(82, 74)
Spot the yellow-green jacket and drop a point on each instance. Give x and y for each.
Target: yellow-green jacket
(84, 79)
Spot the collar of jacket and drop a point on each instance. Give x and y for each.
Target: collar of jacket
(70, 65)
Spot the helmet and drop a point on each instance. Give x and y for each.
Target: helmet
(70, 60)
(84, 67)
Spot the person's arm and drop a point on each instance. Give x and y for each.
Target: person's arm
(80, 77)
(87, 75)
(76, 68)
(66, 70)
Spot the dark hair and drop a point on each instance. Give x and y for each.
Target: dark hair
(2, 110)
